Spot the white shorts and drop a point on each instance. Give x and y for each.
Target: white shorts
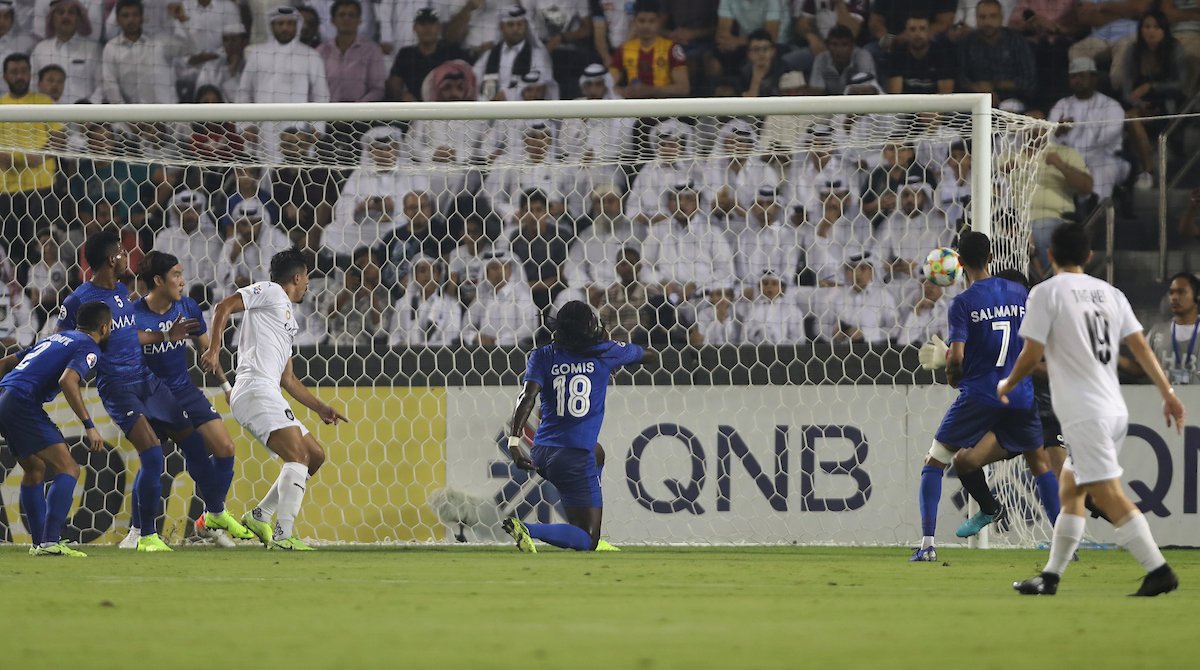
(262, 411)
(1093, 446)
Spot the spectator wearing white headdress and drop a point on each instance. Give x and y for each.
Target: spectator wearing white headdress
(68, 44)
(452, 146)
(225, 71)
(736, 172)
(831, 235)
(499, 69)
(773, 318)
(282, 69)
(503, 313)
(909, 233)
(191, 236)
(426, 315)
(532, 164)
(685, 254)
(671, 146)
(926, 317)
(368, 207)
(765, 243)
(91, 13)
(592, 256)
(861, 310)
(247, 253)
(592, 139)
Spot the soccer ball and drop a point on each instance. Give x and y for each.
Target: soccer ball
(942, 266)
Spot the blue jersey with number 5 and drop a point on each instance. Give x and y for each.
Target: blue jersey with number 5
(574, 387)
(122, 363)
(987, 317)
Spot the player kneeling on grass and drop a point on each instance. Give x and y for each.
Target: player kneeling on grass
(571, 374)
(983, 324)
(163, 305)
(264, 367)
(1078, 322)
(34, 377)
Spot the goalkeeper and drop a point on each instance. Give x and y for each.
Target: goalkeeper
(983, 324)
(571, 375)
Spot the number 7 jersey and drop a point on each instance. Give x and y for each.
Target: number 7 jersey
(1082, 321)
(574, 388)
(986, 318)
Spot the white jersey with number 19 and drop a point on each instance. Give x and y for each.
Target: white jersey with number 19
(265, 334)
(1082, 321)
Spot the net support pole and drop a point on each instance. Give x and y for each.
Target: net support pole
(981, 166)
(981, 219)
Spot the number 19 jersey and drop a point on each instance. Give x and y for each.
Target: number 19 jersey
(1082, 321)
(574, 388)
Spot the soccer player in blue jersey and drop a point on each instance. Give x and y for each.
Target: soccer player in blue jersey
(133, 396)
(983, 324)
(31, 378)
(571, 375)
(163, 305)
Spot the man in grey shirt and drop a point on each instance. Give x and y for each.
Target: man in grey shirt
(841, 60)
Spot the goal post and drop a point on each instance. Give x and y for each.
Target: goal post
(771, 247)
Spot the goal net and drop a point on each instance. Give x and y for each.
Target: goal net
(772, 250)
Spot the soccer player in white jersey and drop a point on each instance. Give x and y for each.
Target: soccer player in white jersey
(264, 366)
(1078, 322)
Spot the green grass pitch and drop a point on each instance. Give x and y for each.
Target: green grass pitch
(644, 608)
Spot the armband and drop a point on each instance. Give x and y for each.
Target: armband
(514, 441)
(225, 386)
(88, 424)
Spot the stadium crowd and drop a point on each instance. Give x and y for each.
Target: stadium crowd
(679, 231)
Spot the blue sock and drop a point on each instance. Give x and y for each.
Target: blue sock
(135, 510)
(931, 496)
(200, 469)
(149, 488)
(561, 535)
(223, 478)
(1047, 487)
(33, 505)
(58, 506)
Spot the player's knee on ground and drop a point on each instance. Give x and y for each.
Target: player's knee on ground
(599, 455)
(33, 471)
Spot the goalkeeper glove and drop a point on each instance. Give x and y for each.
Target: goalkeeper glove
(933, 354)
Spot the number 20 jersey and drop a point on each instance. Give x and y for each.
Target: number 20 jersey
(573, 392)
(1082, 321)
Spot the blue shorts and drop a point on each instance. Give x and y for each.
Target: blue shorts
(198, 408)
(968, 420)
(25, 425)
(573, 472)
(147, 397)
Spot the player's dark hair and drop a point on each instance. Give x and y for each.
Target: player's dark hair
(338, 4)
(647, 6)
(122, 4)
(760, 35)
(973, 249)
(1070, 244)
(155, 264)
(287, 264)
(92, 315)
(1192, 281)
(840, 32)
(47, 69)
(99, 247)
(1014, 275)
(577, 329)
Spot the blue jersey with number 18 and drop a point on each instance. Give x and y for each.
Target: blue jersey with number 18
(574, 387)
(987, 317)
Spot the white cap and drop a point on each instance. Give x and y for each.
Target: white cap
(1081, 64)
(187, 198)
(251, 209)
(284, 12)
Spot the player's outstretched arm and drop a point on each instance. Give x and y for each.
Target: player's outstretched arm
(202, 344)
(69, 382)
(1031, 355)
(1172, 406)
(525, 403)
(296, 388)
(211, 358)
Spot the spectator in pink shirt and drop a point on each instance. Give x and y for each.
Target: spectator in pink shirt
(354, 66)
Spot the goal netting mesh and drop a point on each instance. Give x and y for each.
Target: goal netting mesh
(775, 260)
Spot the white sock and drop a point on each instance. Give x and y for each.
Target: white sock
(1068, 531)
(292, 480)
(926, 541)
(1134, 536)
(269, 502)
